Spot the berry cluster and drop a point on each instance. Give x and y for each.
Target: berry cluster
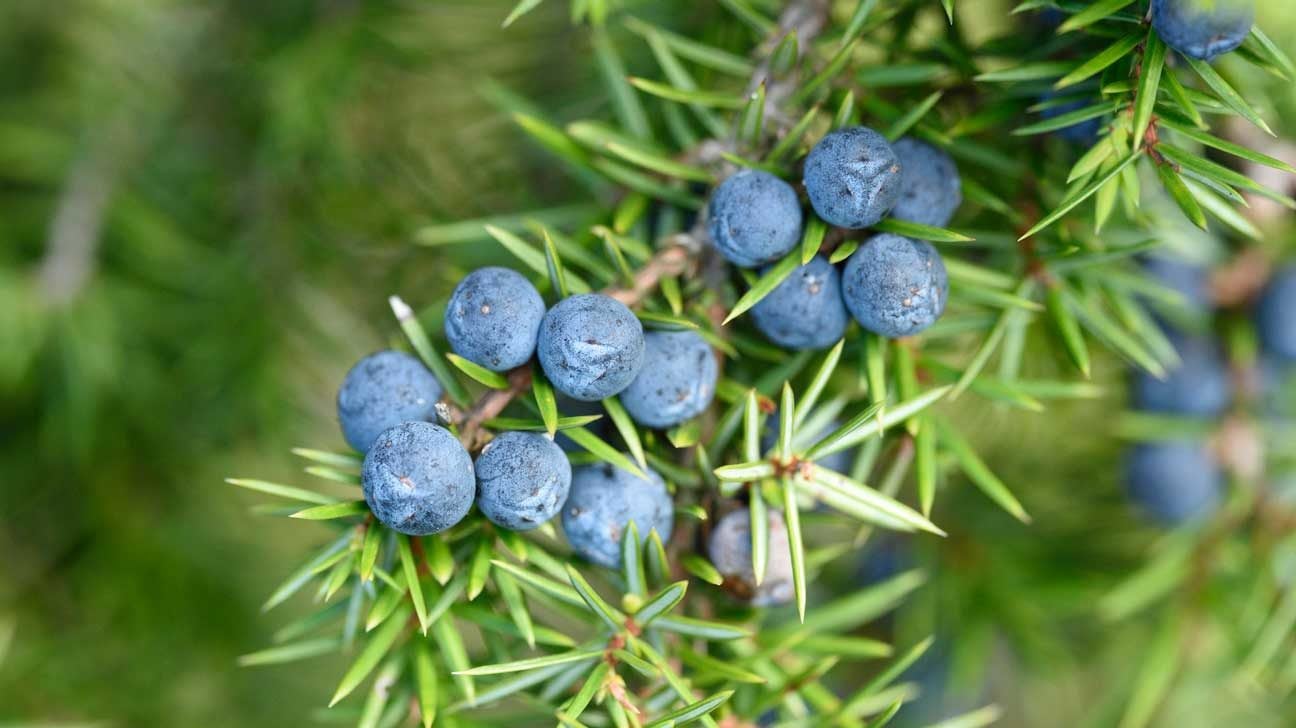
(1177, 480)
(893, 286)
(419, 479)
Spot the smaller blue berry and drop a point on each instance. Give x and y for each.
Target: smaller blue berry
(930, 188)
(603, 502)
(1203, 29)
(383, 390)
(895, 286)
(852, 177)
(1276, 315)
(418, 479)
(493, 318)
(591, 346)
(754, 218)
(522, 480)
(805, 311)
(1174, 481)
(731, 553)
(677, 381)
(1200, 386)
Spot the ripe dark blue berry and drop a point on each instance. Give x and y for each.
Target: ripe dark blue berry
(591, 346)
(754, 218)
(1203, 29)
(418, 479)
(895, 286)
(852, 177)
(493, 318)
(383, 390)
(677, 381)
(1200, 386)
(805, 311)
(603, 502)
(731, 553)
(1276, 315)
(930, 188)
(522, 480)
(1174, 481)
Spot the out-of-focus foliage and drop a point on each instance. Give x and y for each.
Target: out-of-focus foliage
(200, 205)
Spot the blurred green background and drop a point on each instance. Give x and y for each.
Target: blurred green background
(203, 207)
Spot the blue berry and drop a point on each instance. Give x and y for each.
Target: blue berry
(754, 218)
(852, 177)
(1276, 315)
(677, 381)
(1200, 386)
(731, 553)
(1082, 132)
(930, 188)
(1174, 481)
(418, 479)
(591, 346)
(383, 390)
(1203, 29)
(805, 311)
(522, 480)
(895, 286)
(493, 318)
(603, 502)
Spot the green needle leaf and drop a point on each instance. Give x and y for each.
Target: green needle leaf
(1068, 328)
(686, 96)
(691, 712)
(811, 239)
(1070, 202)
(611, 616)
(542, 584)
(283, 491)
(702, 569)
(625, 428)
(1225, 92)
(534, 663)
(975, 468)
(373, 653)
(522, 8)
(479, 373)
(920, 231)
(410, 568)
(1149, 81)
(765, 285)
(418, 338)
(425, 679)
(1092, 14)
(332, 511)
(603, 451)
(759, 522)
(291, 652)
(1108, 56)
(792, 515)
(666, 600)
(906, 122)
(1179, 192)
